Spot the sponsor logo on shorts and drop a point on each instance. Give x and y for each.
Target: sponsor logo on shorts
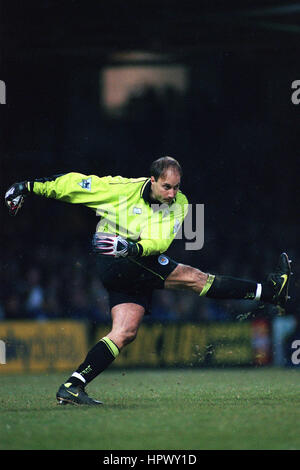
(163, 260)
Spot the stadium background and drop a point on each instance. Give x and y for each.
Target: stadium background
(217, 98)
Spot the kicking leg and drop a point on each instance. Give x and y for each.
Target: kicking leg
(213, 286)
(274, 290)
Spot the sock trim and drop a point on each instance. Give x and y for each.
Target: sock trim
(208, 284)
(113, 349)
(258, 292)
(78, 376)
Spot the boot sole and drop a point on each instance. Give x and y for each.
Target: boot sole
(65, 401)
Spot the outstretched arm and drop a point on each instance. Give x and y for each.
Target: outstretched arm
(74, 188)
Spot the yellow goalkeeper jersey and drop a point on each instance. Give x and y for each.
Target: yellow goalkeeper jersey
(123, 205)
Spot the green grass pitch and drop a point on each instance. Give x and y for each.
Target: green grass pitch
(186, 409)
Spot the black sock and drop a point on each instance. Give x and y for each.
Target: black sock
(96, 361)
(226, 287)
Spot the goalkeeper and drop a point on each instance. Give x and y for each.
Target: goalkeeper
(139, 218)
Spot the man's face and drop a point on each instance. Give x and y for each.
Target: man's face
(165, 188)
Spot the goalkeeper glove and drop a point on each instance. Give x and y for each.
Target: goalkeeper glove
(14, 196)
(116, 246)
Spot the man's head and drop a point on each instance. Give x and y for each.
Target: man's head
(166, 175)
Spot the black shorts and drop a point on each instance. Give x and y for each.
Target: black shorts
(129, 280)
